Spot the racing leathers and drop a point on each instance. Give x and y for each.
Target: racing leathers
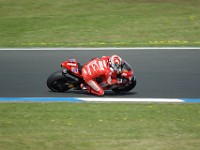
(98, 67)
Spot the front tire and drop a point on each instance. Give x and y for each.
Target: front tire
(126, 88)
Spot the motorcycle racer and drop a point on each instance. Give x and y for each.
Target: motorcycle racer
(99, 74)
(106, 67)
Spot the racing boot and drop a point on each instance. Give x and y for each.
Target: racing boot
(83, 87)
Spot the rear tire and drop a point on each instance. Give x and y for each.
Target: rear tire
(57, 82)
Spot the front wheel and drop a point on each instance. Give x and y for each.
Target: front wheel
(57, 82)
(126, 88)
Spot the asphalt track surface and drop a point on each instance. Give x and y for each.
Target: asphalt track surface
(160, 73)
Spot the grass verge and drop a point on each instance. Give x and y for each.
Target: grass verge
(99, 126)
(99, 23)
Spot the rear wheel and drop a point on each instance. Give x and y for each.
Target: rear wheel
(57, 82)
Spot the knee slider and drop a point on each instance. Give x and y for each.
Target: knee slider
(101, 93)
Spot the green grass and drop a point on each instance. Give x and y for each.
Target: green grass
(99, 126)
(99, 23)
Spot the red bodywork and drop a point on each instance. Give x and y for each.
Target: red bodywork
(74, 67)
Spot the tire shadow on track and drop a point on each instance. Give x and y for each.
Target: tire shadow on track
(74, 93)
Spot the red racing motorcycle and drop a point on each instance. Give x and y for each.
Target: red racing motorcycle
(70, 77)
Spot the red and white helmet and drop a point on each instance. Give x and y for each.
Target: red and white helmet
(115, 62)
